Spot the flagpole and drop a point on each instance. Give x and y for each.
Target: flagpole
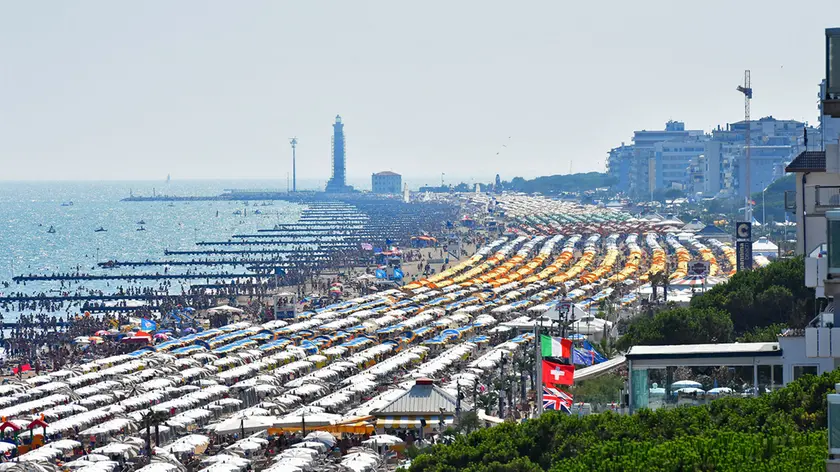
(538, 388)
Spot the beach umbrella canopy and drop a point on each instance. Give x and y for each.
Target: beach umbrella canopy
(310, 419)
(321, 436)
(318, 446)
(249, 424)
(382, 440)
(93, 458)
(300, 452)
(225, 309)
(100, 466)
(224, 458)
(118, 449)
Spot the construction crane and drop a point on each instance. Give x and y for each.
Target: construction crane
(746, 89)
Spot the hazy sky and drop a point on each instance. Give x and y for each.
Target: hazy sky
(108, 89)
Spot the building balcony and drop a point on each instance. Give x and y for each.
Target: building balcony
(826, 197)
(822, 342)
(831, 108)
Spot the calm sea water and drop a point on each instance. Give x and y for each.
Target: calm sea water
(28, 209)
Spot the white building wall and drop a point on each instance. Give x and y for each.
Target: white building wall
(793, 354)
(811, 229)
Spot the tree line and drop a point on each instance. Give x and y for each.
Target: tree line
(752, 306)
(784, 430)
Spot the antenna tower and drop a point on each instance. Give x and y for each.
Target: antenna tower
(294, 142)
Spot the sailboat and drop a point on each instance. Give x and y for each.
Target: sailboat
(100, 230)
(51, 230)
(168, 178)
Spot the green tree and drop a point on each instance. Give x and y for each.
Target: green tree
(554, 184)
(764, 334)
(659, 279)
(678, 326)
(674, 193)
(486, 401)
(600, 390)
(762, 297)
(468, 422)
(153, 419)
(784, 430)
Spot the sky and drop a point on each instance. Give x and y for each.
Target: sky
(210, 89)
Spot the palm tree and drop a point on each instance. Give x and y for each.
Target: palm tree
(656, 280)
(485, 401)
(607, 348)
(150, 419)
(499, 385)
(468, 422)
(524, 364)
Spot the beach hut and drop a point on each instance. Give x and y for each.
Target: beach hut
(424, 405)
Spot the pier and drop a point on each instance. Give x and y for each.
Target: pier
(244, 275)
(208, 252)
(326, 238)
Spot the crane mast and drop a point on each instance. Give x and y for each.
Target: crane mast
(746, 89)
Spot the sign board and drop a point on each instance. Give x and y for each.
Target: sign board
(743, 231)
(743, 255)
(698, 268)
(560, 311)
(564, 307)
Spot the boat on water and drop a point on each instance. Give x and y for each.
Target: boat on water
(237, 212)
(100, 230)
(51, 230)
(141, 229)
(171, 205)
(67, 204)
(141, 222)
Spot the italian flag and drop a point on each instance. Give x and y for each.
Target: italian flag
(555, 347)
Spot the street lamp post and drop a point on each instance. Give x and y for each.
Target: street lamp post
(764, 212)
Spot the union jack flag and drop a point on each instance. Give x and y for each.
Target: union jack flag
(556, 399)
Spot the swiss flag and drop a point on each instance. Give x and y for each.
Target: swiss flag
(557, 374)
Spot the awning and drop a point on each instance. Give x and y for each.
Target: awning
(406, 422)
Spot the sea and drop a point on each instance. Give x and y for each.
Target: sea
(76, 209)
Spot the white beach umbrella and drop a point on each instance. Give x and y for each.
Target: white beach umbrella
(382, 440)
(318, 446)
(321, 436)
(248, 424)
